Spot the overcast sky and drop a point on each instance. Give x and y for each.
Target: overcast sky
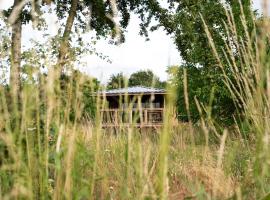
(135, 54)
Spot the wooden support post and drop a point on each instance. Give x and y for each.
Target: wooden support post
(130, 116)
(115, 117)
(145, 117)
(140, 110)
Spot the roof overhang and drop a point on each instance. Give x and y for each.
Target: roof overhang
(129, 94)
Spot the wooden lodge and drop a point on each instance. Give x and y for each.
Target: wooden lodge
(136, 106)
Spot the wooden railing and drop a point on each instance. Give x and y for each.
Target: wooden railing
(137, 117)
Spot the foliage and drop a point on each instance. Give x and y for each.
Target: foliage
(202, 87)
(140, 78)
(117, 81)
(85, 86)
(172, 72)
(4, 49)
(99, 15)
(89, 87)
(30, 11)
(204, 76)
(106, 18)
(145, 78)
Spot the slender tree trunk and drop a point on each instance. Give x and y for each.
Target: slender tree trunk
(15, 82)
(64, 46)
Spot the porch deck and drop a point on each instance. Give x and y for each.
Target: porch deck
(144, 117)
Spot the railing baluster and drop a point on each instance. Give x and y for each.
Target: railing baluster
(147, 116)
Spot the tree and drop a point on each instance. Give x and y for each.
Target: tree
(205, 90)
(89, 87)
(117, 81)
(203, 72)
(106, 18)
(172, 72)
(4, 53)
(79, 86)
(64, 44)
(16, 55)
(145, 78)
(20, 13)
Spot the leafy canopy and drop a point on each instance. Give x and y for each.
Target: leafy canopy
(204, 76)
(117, 81)
(140, 78)
(145, 78)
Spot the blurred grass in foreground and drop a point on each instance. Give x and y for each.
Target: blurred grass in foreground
(50, 150)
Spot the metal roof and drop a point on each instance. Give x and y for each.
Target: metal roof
(134, 90)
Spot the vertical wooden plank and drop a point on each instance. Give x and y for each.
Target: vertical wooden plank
(130, 116)
(145, 116)
(115, 117)
(164, 101)
(140, 109)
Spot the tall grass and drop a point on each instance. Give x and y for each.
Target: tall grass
(249, 85)
(53, 152)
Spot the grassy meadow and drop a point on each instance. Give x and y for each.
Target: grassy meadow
(50, 149)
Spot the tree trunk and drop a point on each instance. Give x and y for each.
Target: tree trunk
(64, 45)
(15, 61)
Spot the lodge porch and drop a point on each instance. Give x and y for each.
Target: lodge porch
(133, 106)
(145, 117)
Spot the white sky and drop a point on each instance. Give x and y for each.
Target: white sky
(135, 54)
